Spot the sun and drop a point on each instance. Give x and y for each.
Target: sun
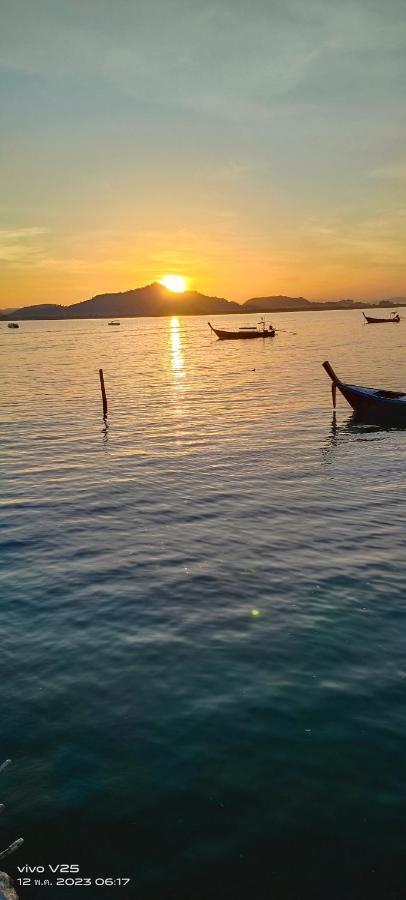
(175, 283)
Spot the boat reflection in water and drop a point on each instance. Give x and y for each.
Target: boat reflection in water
(354, 429)
(332, 440)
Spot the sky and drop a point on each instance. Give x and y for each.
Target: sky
(255, 147)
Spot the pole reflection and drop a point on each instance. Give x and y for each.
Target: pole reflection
(332, 440)
(105, 430)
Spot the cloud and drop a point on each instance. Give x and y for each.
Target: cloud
(395, 171)
(21, 233)
(224, 59)
(373, 241)
(19, 245)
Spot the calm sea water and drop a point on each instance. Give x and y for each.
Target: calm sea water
(203, 611)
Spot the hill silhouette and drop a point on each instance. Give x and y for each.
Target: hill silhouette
(156, 300)
(276, 303)
(153, 300)
(40, 311)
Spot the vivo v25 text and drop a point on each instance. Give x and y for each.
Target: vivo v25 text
(64, 875)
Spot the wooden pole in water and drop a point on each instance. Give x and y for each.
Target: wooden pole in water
(331, 373)
(103, 391)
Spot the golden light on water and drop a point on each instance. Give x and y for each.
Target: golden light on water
(177, 360)
(175, 283)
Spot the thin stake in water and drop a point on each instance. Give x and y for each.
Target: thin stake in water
(103, 392)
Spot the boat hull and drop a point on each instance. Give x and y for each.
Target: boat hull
(373, 321)
(371, 405)
(241, 335)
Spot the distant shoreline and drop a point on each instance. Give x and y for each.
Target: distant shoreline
(155, 300)
(316, 307)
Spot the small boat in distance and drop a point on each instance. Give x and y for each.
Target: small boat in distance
(13, 325)
(394, 317)
(114, 323)
(370, 404)
(246, 332)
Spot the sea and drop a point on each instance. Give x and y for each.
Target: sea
(203, 612)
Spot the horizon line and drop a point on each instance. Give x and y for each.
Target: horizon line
(178, 294)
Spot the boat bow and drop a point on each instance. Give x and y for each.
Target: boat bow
(370, 404)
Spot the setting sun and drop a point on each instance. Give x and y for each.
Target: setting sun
(174, 283)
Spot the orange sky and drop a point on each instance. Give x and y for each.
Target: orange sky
(134, 143)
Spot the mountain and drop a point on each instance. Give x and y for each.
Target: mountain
(42, 311)
(276, 304)
(393, 301)
(153, 300)
(280, 303)
(156, 300)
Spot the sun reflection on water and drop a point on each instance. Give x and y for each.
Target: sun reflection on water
(177, 359)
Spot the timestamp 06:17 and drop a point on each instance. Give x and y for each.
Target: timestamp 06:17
(73, 882)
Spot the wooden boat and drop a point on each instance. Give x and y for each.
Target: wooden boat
(395, 317)
(247, 332)
(370, 404)
(114, 323)
(13, 325)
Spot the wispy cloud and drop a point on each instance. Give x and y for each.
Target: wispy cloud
(392, 171)
(20, 245)
(21, 233)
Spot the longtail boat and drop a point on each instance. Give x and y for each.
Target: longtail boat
(370, 404)
(247, 332)
(373, 321)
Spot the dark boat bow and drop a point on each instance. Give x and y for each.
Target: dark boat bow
(370, 404)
